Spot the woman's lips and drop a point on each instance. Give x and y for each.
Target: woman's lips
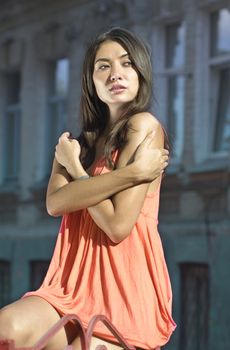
(117, 88)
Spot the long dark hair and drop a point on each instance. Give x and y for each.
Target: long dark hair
(95, 113)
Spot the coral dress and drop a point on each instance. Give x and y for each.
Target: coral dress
(127, 282)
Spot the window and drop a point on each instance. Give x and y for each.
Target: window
(219, 62)
(174, 63)
(222, 127)
(4, 283)
(220, 30)
(176, 112)
(195, 306)
(38, 271)
(56, 118)
(12, 127)
(175, 45)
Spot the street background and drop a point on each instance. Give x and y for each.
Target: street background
(42, 44)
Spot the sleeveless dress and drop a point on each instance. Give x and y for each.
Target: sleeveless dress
(127, 282)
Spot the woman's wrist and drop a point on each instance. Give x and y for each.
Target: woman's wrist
(76, 171)
(82, 177)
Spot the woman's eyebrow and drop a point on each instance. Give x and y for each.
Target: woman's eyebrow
(104, 59)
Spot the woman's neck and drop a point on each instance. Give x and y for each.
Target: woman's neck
(114, 114)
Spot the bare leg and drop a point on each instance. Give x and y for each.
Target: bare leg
(97, 341)
(94, 342)
(28, 319)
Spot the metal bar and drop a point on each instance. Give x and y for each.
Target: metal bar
(61, 323)
(85, 335)
(101, 318)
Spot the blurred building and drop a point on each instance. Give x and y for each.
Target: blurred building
(42, 43)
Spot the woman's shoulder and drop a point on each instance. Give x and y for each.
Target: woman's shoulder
(144, 122)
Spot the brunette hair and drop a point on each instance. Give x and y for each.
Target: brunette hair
(95, 113)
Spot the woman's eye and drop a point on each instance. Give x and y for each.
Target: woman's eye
(103, 66)
(127, 63)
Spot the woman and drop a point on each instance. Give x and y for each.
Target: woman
(108, 258)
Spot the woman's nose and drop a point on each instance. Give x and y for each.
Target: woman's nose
(114, 77)
(115, 74)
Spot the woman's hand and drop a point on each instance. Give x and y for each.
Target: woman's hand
(150, 161)
(67, 154)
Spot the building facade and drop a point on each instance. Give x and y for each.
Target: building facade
(42, 44)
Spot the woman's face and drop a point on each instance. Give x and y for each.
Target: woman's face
(115, 79)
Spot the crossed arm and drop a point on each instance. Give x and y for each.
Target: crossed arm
(117, 215)
(108, 196)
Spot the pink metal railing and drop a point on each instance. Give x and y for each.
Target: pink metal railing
(85, 335)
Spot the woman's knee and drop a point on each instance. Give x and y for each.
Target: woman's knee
(27, 320)
(18, 322)
(10, 327)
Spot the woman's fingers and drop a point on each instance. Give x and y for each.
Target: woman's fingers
(165, 152)
(152, 161)
(64, 135)
(164, 157)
